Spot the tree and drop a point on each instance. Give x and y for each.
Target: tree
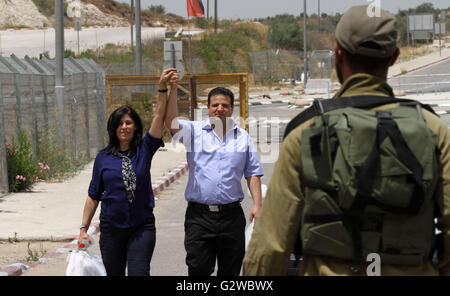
(425, 8)
(157, 8)
(285, 32)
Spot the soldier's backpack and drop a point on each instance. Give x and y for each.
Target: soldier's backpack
(369, 178)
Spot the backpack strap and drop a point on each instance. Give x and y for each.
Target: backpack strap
(321, 106)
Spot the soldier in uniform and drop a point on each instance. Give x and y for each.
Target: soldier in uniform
(345, 195)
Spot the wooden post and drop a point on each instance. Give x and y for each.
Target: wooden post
(243, 99)
(193, 97)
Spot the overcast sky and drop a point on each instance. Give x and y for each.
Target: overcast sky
(249, 9)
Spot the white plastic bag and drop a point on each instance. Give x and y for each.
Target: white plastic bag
(81, 263)
(248, 234)
(249, 230)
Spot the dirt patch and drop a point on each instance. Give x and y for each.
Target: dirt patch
(20, 252)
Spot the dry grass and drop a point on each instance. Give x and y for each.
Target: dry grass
(148, 17)
(408, 52)
(18, 252)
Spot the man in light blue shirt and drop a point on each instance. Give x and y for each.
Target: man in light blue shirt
(219, 153)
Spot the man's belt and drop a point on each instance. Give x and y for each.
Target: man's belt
(215, 208)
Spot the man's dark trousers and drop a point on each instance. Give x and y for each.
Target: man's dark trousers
(214, 234)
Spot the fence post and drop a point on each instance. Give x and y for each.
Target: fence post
(86, 101)
(74, 115)
(100, 90)
(44, 82)
(3, 158)
(18, 105)
(34, 129)
(99, 103)
(100, 116)
(86, 113)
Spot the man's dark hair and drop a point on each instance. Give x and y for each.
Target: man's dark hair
(221, 91)
(113, 124)
(367, 63)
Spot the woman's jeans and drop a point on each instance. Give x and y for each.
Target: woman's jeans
(128, 247)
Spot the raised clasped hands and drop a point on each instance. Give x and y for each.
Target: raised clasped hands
(170, 76)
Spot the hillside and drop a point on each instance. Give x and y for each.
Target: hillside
(20, 13)
(40, 14)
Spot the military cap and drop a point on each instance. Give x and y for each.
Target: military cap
(363, 32)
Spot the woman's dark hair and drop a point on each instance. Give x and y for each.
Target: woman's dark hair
(221, 91)
(113, 123)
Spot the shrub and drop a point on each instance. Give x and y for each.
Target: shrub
(46, 7)
(157, 9)
(286, 32)
(226, 51)
(69, 53)
(54, 162)
(22, 168)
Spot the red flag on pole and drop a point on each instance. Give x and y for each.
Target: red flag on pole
(195, 8)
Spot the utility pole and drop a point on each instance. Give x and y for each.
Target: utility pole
(132, 22)
(207, 10)
(215, 16)
(305, 57)
(138, 39)
(318, 13)
(59, 73)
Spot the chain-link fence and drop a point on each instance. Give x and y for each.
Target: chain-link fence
(28, 103)
(276, 65)
(321, 64)
(148, 68)
(155, 67)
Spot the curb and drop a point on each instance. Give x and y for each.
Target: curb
(439, 112)
(420, 67)
(254, 103)
(17, 269)
(163, 182)
(268, 102)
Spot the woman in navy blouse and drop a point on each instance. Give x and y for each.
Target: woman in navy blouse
(121, 181)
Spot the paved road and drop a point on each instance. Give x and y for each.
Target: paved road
(169, 256)
(435, 78)
(169, 253)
